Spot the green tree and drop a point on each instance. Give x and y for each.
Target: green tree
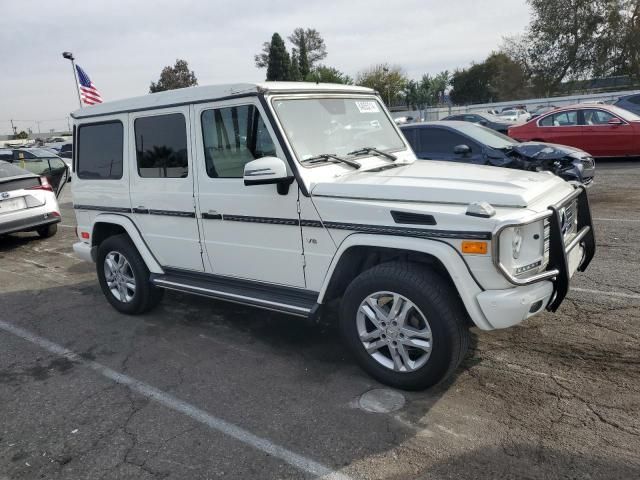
(294, 71)
(21, 136)
(178, 76)
(279, 67)
(313, 42)
(304, 59)
(388, 81)
(324, 74)
(472, 85)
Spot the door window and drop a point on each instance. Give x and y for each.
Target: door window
(100, 151)
(232, 137)
(597, 117)
(161, 146)
(439, 140)
(562, 119)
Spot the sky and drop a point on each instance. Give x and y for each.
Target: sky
(123, 45)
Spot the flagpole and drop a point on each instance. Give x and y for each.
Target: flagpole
(69, 56)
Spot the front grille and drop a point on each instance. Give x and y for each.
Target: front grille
(570, 227)
(588, 163)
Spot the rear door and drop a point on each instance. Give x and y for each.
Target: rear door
(162, 181)
(562, 127)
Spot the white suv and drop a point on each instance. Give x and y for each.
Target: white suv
(294, 196)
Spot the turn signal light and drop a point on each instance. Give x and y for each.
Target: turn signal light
(84, 235)
(479, 248)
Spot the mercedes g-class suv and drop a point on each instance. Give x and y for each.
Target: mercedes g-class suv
(293, 197)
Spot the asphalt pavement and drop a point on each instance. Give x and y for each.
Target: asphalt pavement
(200, 389)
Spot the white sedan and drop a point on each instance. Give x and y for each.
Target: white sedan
(27, 202)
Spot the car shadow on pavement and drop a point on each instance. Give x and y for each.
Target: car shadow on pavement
(530, 461)
(10, 242)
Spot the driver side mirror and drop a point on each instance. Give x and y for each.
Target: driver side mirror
(461, 149)
(483, 123)
(614, 121)
(268, 170)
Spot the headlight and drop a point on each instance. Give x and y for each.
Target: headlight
(516, 242)
(522, 249)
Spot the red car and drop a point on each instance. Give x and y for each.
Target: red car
(601, 130)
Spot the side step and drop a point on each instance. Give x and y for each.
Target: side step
(293, 301)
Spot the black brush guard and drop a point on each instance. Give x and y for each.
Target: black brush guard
(558, 250)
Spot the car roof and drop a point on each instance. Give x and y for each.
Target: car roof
(210, 93)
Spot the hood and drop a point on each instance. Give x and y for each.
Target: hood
(546, 151)
(445, 182)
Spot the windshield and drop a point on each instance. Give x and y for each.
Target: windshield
(316, 126)
(626, 114)
(486, 136)
(41, 153)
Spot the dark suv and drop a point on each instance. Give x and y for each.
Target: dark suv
(630, 102)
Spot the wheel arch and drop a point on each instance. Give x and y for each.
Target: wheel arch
(107, 225)
(359, 252)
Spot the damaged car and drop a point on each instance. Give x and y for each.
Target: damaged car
(468, 143)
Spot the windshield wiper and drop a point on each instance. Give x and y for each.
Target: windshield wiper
(327, 157)
(370, 150)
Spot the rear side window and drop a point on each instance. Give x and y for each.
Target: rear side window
(234, 136)
(161, 146)
(100, 151)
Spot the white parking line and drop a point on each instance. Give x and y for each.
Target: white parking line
(302, 463)
(66, 226)
(616, 220)
(635, 296)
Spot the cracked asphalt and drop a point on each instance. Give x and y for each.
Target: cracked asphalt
(556, 397)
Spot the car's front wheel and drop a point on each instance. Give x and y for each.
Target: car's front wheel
(405, 325)
(124, 277)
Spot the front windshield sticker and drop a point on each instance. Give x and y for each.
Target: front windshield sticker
(367, 107)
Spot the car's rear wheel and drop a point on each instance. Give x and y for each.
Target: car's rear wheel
(124, 277)
(47, 231)
(405, 325)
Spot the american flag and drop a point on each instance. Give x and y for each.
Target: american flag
(88, 91)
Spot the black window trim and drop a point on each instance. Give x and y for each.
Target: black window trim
(186, 136)
(77, 150)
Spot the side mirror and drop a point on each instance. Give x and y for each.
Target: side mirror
(483, 123)
(461, 149)
(268, 170)
(614, 121)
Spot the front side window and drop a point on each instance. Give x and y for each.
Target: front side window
(596, 117)
(100, 151)
(439, 140)
(232, 137)
(161, 146)
(338, 126)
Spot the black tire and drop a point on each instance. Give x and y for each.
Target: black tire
(48, 230)
(146, 295)
(434, 297)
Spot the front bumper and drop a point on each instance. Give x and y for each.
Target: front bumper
(505, 308)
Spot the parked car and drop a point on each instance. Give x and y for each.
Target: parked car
(630, 102)
(265, 194)
(467, 143)
(66, 150)
(41, 162)
(27, 202)
(541, 109)
(601, 130)
(485, 119)
(515, 116)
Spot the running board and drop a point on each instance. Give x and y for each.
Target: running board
(293, 301)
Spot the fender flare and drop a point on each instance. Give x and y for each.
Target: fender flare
(466, 286)
(135, 236)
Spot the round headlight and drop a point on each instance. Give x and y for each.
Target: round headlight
(516, 242)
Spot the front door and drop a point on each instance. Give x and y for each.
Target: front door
(162, 181)
(249, 232)
(602, 139)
